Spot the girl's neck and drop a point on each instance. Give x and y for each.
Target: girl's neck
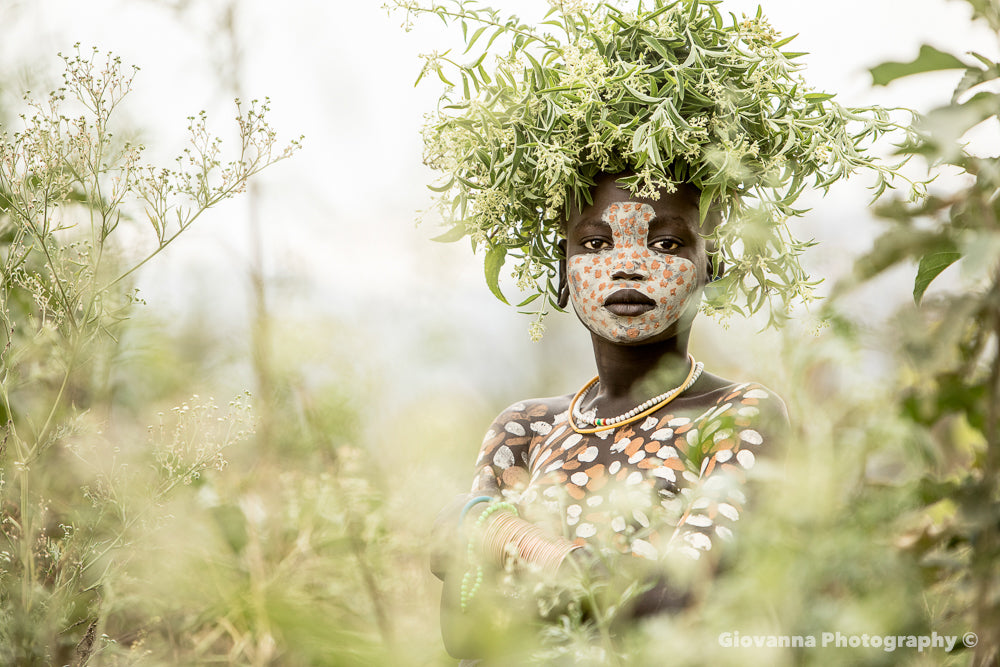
(623, 369)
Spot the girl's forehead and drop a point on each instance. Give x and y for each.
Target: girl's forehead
(610, 199)
(635, 216)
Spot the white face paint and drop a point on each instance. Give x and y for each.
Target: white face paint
(665, 282)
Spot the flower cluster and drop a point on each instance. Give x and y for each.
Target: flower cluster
(671, 93)
(193, 438)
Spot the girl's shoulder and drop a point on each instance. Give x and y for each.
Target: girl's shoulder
(532, 415)
(748, 403)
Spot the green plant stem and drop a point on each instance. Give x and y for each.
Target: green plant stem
(439, 11)
(189, 221)
(36, 449)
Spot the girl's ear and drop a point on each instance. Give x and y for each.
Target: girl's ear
(563, 296)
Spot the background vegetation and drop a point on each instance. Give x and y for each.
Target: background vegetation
(146, 523)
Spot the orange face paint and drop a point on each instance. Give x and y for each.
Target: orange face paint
(630, 266)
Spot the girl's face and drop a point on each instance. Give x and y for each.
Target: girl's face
(635, 267)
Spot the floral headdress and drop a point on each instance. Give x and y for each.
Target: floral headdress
(671, 93)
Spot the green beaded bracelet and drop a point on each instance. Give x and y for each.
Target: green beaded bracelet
(471, 586)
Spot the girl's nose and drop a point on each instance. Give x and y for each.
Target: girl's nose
(627, 269)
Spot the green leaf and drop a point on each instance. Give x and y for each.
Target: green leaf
(475, 36)
(642, 96)
(819, 97)
(452, 235)
(931, 265)
(948, 124)
(442, 187)
(783, 42)
(529, 300)
(928, 60)
(495, 257)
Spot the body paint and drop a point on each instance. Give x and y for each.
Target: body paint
(667, 280)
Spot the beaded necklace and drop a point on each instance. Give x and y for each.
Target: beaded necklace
(636, 413)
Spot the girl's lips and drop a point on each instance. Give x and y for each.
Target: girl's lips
(628, 303)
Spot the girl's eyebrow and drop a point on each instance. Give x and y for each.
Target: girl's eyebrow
(592, 224)
(669, 218)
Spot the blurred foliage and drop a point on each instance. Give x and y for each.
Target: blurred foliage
(80, 487)
(949, 385)
(144, 525)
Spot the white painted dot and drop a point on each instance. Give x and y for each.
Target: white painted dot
(693, 554)
(667, 452)
(746, 458)
(728, 511)
(751, 436)
(692, 437)
(663, 434)
(698, 541)
(604, 435)
(756, 393)
(620, 446)
(644, 549)
(649, 423)
(748, 411)
(704, 464)
(555, 465)
(586, 530)
(535, 451)
(618, 524)
(589, 454)
(594, 501)
(514, 428)
(504, 457)
(489, 435)
(723, 455)
(579, 478)
(555, 434)
(690, 477)
(517, 407)
(678, 421)
(641, 518)
(571, 440)
(666, 473)
(614, 467)
(572, 520)
(673, 506)
(700, 504)
(541, 428)
(699, 520)
(709, 415)
(724, 533)
(638, 456)
(634, 478)
(574, 510)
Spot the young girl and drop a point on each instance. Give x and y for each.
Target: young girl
(647, 460)
(623, 154)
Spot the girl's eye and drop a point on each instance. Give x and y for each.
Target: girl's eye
(596, 244)
(665, 245)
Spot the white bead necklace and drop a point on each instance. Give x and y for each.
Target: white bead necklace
(590, 417)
